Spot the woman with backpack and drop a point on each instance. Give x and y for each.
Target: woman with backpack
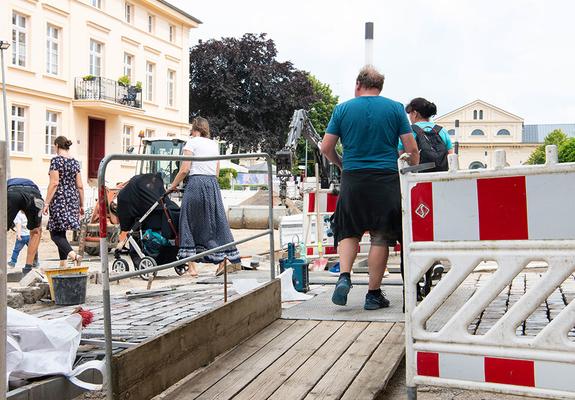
(432, 140)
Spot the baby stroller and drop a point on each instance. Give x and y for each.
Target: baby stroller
(151, 220)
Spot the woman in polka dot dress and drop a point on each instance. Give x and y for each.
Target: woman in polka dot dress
(65, 199)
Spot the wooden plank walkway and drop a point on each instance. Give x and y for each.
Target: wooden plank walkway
(301, 359)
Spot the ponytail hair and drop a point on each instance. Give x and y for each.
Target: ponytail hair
(63, 142)
(424, 107)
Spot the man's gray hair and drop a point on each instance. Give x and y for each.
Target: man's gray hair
(370, 78)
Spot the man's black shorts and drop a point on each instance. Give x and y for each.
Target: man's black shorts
(27, 199)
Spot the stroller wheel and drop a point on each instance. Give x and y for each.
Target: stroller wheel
(145, 263)
(181, 269)
(119, 265)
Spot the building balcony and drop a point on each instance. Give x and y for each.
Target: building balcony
(106, 93)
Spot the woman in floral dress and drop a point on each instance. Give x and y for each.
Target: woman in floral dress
(65, 199)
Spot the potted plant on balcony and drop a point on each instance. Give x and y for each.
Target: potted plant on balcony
(138, 87)
(88, 78)
(124, 80)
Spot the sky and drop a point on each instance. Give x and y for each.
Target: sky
(515, 54)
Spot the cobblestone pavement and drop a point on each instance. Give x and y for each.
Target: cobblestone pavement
(138, 319)
(141, 318)
(523, 282)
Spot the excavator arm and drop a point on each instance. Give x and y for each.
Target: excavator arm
(301, 126)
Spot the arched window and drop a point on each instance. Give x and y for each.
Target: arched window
(474, 114)
(476, 165)
(451, 132)
(503, 132)
(480, 114)
(477, 132)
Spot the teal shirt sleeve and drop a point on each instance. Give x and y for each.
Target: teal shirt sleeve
(446, 138)
(333, 127)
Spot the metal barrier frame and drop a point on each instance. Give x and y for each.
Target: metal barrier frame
(549, 345)
(106, 279)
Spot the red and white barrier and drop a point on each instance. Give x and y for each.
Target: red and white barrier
(327, 205)
(497, 370)
(513, 216)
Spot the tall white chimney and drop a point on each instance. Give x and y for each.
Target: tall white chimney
(368, 43)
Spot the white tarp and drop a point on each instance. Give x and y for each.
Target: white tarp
(37, 347)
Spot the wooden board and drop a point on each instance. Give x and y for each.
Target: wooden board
(241, 376)
(341, 375)
(379, 369)
(204, 378)
(300, 383)
(303, 360)
(273, 377)
(146, 370)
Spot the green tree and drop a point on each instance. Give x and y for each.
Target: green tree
(224, 178)
(556, 137)
(245, 92)
(321, 110)
(567, 150)
(319, 115)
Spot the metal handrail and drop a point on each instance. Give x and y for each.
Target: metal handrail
(104, 237)
(187, 259)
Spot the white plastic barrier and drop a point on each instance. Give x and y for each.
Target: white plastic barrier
(513, 216)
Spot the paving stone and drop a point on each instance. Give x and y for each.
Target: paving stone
(30, 294)
(14, 300)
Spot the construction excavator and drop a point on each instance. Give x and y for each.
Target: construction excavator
(301, 125)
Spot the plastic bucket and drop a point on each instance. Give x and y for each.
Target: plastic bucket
(70, 289)
(51, 272)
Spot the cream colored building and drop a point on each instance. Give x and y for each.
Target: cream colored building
(63, 66)
(484, 128)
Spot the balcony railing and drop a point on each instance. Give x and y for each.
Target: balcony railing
(98, 88)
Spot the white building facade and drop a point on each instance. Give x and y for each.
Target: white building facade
(484, 128)
(101, 72)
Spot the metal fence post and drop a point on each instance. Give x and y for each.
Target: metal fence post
(3, 272)
(271, 218)
(102, 208)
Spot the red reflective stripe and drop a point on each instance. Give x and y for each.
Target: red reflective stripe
(331, 202)
(427, 364)
(311, 202)
(330, 250)
(510, 372)
(502, 208)
(422, 212)
(102, 200)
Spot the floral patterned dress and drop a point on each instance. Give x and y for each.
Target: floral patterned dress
(65, 206)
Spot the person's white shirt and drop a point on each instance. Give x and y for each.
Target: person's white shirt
(23, 221)
(203, 147)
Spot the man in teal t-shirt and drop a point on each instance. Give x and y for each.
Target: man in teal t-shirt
(369, 127)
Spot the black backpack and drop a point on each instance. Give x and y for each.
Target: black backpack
(431, 147)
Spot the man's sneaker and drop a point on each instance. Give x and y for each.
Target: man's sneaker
(375, 302)
(334, 269)
(11, 264)
(341, 291)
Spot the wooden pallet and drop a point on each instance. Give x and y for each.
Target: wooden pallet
(296, 359)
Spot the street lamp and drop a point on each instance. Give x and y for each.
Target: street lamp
(4, 46)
